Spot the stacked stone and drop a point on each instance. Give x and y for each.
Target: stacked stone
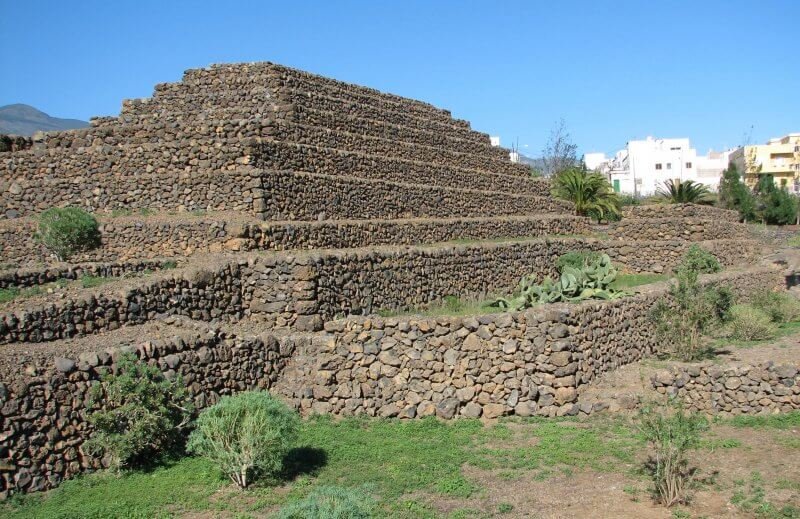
(688, 228)
(44, 397)
(523, 363)
(320, 140)
(738, 389)
(304, 290)
(18, 278)
(705, 212)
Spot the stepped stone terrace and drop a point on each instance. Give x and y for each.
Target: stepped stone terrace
(254, 221)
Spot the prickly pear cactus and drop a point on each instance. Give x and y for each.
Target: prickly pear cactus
(574, 285)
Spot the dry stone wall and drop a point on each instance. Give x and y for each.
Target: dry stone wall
(203, 294)
(303, 291)
(103, 186)
(681, 211)
(736, 389)
(37, 276)
(14, 143)
(154, 237)
(523, 363)
(187, 148)
(44, 394)
(688, 228)
(287, 155)
(311, 196)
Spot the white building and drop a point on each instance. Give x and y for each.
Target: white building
(513, 154)
(644, 166)
(594, 161)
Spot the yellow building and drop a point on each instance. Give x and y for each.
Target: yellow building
(778, 157)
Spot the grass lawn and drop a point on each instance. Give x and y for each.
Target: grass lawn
(417, 468)
(626, 281)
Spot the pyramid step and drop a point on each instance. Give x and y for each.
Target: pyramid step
(185, 234)
(292, 195)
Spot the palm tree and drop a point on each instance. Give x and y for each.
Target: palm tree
(590, 192)
(686, 192)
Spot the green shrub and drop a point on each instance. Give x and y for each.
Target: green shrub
(141, 417)
(671, 433)
(699, 260)
(247, 435)
(779, 306)
(688, 313)
(751, 324)
(329, 502)
(67, 230)
(576, 259)
(776, 205)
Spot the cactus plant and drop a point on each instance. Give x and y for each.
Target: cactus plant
(574, 285)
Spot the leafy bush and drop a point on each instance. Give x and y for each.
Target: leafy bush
(671, 433)
(750, 324)
(247, 435)
(141, 417)
(67, 230)
(329, 502)
(779, 306)
(699, 260)
(574, 285)
(690, 311)
(576, 259)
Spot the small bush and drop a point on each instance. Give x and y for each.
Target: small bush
(142, 414)
(671, 433)
(691, 311)
(331, 502)
(779, 306)
(700, 261)
(68, 230)
(751, 324)
(576, 259)
(247, 435)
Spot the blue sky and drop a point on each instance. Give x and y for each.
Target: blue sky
(613, 70)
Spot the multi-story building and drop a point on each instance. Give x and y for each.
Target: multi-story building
(779, 157)
(644, 166)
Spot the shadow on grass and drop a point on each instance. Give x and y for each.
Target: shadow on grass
(303, 461)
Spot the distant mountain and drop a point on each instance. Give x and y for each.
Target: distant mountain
(536, 163)
(22, 119)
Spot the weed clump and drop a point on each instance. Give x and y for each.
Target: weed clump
(330, 502)
(780, 307)
(749, 323)
(671, 434)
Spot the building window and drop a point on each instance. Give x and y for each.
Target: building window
(669, 165)
(796, 149)
(688, 165)
(658, 165)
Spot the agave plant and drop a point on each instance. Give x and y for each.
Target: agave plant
(590, 192)
(686, 192)
(573, 285)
